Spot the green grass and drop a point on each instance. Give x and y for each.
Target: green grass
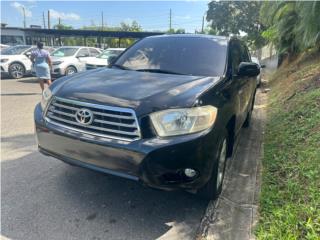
(290, 195)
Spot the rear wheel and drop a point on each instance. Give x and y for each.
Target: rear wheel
(213, 187)
(71, 70)
(16, 70)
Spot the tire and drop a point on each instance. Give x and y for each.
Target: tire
(213, 187)
(247, 122)
(70, 70)
(16, 70)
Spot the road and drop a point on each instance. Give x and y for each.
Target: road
(44, 198)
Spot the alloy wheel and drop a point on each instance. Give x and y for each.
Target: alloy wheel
(70, 71)
(17, 70)
(222, 163)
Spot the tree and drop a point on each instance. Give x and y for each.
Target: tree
(177, 31)
(291, 26)
(62, 27)
(232, 17)
(133, 27)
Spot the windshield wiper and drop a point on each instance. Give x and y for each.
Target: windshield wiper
(120, 67)
(158, 71)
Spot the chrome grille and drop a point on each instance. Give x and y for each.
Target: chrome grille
(110, 122)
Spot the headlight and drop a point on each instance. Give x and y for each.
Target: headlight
(46, 95)
(183, 121)
(57, 62)
(4, 60)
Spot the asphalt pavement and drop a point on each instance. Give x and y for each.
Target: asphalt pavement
(44, 198)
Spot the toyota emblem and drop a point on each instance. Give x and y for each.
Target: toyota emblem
(84, 116)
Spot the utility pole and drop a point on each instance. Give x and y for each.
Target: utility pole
(202, 24)
(24, 17)
(59, 21)
(102, 21)
(44, 20)
(170, 22)
(48, 19)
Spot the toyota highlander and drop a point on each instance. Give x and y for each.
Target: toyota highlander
(165, 113)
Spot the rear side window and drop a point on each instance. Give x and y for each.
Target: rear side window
(94, 52)
(245, 57)
(235, 57)
(83, 52)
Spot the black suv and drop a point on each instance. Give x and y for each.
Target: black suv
(166, 112)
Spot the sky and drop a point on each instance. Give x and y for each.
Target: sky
(151, 15)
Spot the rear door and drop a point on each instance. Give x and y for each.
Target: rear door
(240, 83)
(249, 82)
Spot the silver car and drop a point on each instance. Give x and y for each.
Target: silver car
(69, 60)
(256, 60)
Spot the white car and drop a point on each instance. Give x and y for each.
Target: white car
(102, 59)
(69, 60)
(256, 60)
(3, 46)
(15, 60)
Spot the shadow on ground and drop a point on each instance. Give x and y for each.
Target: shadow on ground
(43, 198)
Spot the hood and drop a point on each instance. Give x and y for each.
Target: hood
(11, 56)
(142, 91)
(98, 61)
(53, 59)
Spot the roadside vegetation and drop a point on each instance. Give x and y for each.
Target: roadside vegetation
(290, 196)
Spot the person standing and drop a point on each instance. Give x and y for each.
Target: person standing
(42, 64)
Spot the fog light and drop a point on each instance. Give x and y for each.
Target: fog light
(189, 172)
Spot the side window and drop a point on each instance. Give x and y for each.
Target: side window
(83, 53)
(28, 53)
(234, 57)
(245, 57)
(93, 52)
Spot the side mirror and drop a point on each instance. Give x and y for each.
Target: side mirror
(248, 69)
(112, 60)
(28, 54)
(262, 66)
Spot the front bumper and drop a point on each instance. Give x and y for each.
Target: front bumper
(57, 71)
(4, 68)
(156, 162)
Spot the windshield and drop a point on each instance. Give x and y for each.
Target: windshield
(108, 53)
(197, 56)
(64, 52)
(16, 50)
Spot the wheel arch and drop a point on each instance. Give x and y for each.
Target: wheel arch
(21, 63)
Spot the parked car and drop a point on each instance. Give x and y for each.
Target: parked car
(102, 60)
(15, 60)
(256, 60)
(70, 60)
(3, 46)
(166, 113)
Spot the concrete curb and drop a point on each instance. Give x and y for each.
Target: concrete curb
(235, 213)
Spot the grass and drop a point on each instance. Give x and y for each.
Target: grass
(290, 194)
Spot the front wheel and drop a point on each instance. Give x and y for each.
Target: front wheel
(213, 187)
(70, 70)
(16, 70)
